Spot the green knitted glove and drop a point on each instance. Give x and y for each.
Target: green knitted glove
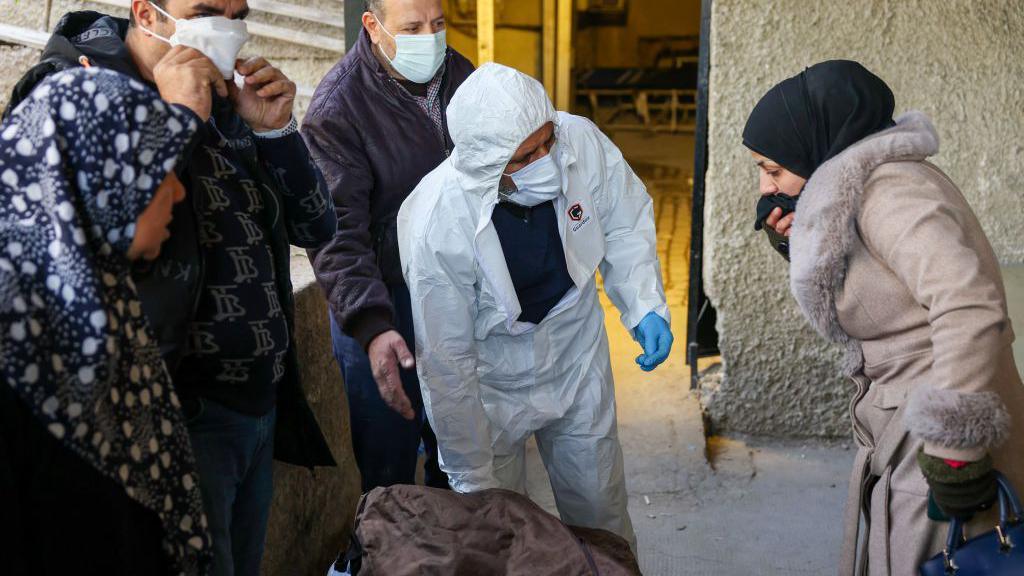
(959, 492)
(934, 512)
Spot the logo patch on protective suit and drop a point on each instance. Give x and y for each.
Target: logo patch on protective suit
(577, 216)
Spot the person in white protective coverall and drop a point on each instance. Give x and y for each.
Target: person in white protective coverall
(510, 337)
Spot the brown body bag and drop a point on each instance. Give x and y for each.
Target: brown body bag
(420, 531)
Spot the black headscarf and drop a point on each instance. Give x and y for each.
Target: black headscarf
(807, 119)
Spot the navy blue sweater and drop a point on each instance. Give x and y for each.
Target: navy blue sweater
(534, 255)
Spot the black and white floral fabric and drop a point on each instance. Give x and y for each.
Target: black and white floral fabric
(80, 160)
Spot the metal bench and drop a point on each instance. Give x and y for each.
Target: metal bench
(653, 99)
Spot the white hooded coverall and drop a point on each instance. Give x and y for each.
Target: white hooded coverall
(488, 380)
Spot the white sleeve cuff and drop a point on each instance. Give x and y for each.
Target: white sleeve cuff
(472, 482)
(291, 128)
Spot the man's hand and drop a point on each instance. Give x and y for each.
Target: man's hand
(386, 351)
(781, 225)
(267, 99)
(184, 76)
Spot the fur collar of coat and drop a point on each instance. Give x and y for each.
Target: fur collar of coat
(825, 225)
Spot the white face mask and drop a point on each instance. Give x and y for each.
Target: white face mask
(220, 39)
(536, 182)
(417, 56)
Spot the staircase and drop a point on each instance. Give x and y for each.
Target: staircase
(313, 30)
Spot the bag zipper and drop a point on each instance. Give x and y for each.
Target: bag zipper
(587, 554)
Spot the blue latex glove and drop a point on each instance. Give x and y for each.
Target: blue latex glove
(655, 338)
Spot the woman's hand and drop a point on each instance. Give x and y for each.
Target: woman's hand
(960, 489)
(782, 225)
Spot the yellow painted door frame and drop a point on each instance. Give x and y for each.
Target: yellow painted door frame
(549, 46)
(556, 45)
(484, 31)
(564, 55)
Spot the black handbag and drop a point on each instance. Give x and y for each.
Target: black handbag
(999, 552)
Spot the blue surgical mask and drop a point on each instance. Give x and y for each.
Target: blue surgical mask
(418, 57)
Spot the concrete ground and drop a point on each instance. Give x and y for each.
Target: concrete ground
(725, 506)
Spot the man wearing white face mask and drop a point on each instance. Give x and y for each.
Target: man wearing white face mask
(499, 246)
(376, 126)
(219, 298)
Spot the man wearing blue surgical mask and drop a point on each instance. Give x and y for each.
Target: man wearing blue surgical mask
(376, 126)
(219, 299)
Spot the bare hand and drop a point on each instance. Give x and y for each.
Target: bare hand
(781, 225)
(184, 76)
(386, 351)
(267, 99)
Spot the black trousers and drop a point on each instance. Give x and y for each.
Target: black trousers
(59, 515)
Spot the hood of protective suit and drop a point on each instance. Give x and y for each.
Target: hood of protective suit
(489, 117)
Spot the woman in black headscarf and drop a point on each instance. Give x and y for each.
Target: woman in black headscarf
(96, 469)
(889, 261)
(823, 111)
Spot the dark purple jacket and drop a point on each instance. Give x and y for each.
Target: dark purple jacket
(373, 143)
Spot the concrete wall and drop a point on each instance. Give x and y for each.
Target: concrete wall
(957, 60)
(16, 59)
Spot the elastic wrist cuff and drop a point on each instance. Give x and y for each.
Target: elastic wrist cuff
(291, 128)
(964, 455)
(935, 470)
(369, 324)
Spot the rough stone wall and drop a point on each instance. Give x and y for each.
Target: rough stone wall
(16, 59)
(312, 513)
(957, 60)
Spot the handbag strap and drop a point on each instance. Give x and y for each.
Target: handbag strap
(1009, 512)
(1010, 509)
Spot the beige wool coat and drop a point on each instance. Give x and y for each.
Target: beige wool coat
(889, 260)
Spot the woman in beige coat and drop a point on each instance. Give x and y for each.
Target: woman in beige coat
(889, 261)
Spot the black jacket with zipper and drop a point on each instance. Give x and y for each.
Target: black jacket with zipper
(169, 288)
(373, 144)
